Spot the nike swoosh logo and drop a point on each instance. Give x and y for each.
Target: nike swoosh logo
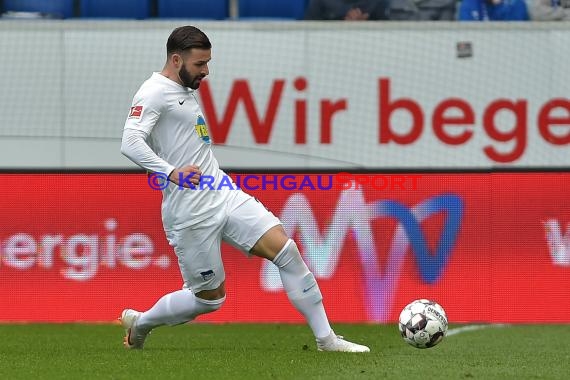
(181, 102)
(309, 288)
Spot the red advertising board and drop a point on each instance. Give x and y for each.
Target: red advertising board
(487, 247)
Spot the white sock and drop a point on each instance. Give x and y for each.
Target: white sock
(302, 289)
(175, 308)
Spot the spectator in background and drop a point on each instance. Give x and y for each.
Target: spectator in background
(350, 10)
(493, 10)
(423, 10)
(549, 10)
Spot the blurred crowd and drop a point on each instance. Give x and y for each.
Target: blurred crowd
(350, 10)
(439, 10)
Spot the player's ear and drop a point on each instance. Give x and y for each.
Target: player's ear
(176, 60)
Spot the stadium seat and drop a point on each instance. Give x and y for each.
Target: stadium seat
(135, 9)
(285, 9)
(53, 8)
(201, 9)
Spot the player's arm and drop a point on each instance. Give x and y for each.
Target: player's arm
(142, 118)
(134, 147)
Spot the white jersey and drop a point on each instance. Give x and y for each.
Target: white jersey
(171, 119)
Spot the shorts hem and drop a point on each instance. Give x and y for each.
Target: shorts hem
(268, 222)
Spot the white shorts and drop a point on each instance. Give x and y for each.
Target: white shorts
(241, 222)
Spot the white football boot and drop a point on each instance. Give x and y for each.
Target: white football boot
(337, 343)
(134, 337)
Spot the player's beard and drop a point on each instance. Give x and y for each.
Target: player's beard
(188, 80)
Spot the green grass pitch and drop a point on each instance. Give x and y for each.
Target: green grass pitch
(271, 351)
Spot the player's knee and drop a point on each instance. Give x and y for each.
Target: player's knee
(270, 243)
(213, 294)
(289, 253)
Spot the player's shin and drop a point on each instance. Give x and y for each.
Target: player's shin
(175, 308)
(302, 288)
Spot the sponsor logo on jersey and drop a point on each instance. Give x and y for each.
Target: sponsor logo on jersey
(136, 112)
(202, 129)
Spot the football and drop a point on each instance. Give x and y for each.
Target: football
(423, 323)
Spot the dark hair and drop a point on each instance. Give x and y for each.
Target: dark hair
(186, 38)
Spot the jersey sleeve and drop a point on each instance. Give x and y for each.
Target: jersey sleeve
(135, 148)
(145, 110)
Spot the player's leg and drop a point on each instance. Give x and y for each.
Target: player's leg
(172, 309)
(199, 259)
(298, 281)
(302, 288)
(257, 231)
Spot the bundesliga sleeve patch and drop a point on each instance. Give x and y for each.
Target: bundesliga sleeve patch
(136, 112)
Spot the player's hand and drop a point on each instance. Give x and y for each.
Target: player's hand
(186, 175)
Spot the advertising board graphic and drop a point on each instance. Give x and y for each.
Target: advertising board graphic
(491, 247)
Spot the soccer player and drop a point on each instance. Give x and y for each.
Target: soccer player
(165, 132)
